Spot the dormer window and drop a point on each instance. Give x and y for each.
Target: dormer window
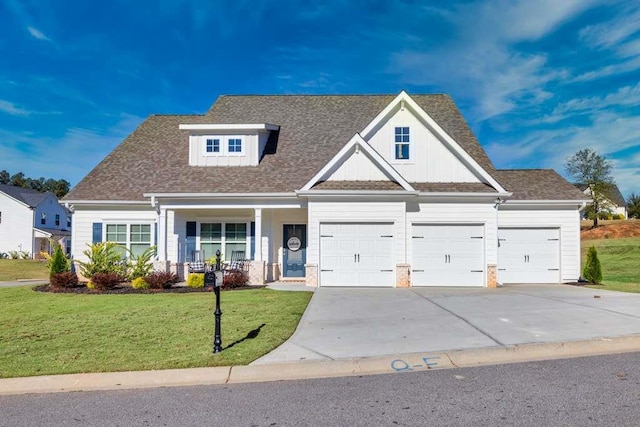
(402, 143)
(235, 145)
(213, 145)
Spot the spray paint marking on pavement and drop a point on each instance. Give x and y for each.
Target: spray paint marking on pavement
(428, 362)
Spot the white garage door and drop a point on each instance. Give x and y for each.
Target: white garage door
(356, 255)
(528, 255)
(447, 255)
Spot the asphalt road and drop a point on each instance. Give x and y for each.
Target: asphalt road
(598, 391)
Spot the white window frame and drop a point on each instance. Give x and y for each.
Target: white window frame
(224, 145)
(128, 225)
(213, 138)
(397, 143)
(234, 138)
(223, 231)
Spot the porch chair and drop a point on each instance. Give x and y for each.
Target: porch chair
(197, 264)
(238, 262)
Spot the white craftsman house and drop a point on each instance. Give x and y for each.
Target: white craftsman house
(362, 190)
(30, 221)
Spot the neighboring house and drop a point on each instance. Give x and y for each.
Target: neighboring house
(613, 201)
(364, 190)
(30, 221)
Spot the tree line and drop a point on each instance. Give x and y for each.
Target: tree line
(59, 187)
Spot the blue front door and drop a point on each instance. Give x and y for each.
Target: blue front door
(294, 239)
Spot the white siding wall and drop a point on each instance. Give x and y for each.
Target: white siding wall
(451, 213)
(358, 167)
(51, 208)
(382, 212)
(567, 220)
(430, 160)
(83, 220)
(252, 144)
(16, 228)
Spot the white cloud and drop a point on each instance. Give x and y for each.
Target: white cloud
(611, 33)
(37, 34)
(482, 63)
(10, 108)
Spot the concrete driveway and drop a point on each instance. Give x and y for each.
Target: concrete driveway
(348, 322)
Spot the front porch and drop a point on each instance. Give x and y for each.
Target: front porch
(271, 240)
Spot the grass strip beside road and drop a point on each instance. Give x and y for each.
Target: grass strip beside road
(15, 269)
(43, 333)
(620, 263)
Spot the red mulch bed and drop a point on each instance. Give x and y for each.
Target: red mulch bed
(119, 290)
(611, 230)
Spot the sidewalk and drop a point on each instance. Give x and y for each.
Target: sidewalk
(23, 282)
(318, 369)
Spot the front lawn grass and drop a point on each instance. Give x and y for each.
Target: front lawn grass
(620, 263)
(14, 269)
(45, 333)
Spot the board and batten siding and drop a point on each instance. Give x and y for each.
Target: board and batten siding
(452, 213)
(358, 167)
(360, 212)
(568, 221)
(253, 146)
(83, 220)
(429, 159)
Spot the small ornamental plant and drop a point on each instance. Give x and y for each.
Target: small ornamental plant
(195, 280)
(139, 283)
(59, 262)
(592, 271)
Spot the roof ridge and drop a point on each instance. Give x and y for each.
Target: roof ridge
(327, 94)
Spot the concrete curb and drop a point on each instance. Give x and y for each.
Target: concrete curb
(318, 369)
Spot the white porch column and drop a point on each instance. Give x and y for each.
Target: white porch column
(162, 235)
(258, 234)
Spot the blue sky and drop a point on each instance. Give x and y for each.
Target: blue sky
(536, 80)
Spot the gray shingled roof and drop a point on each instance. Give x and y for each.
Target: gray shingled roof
(358, 185)
(453, 187)
(613, 194)
(537, 184)
(29, 197)
(313, 128)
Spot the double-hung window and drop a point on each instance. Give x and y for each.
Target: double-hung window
(134, 237)
(57, 219)
(402, 143)
(43, 218)
(213, 145)
(226, 237)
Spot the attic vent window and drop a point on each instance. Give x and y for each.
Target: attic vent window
(213, 146)
(402, 143)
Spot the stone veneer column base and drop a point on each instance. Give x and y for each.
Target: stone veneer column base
(403, 275)
(311, 278)
(492, 276)
(256, 273)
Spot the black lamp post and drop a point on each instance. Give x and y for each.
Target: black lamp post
(217, 339)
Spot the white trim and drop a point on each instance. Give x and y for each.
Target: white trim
(440, 133)
(358, 142)
(351, 193)
(221, 127)
(19, 201)
(46, 233)
(215, 195)
(544, 202)
(108, 202)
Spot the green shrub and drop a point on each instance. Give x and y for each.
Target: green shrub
(59, 262)
(618, 216)
(161, 279)
(106, 281)
(235, 279)
(592, 269)
(142, 265)
(14, 254)
(4, 255)
(103, 257)
(195, 280)
(139, 283)
(65, 279)
(25, 254)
